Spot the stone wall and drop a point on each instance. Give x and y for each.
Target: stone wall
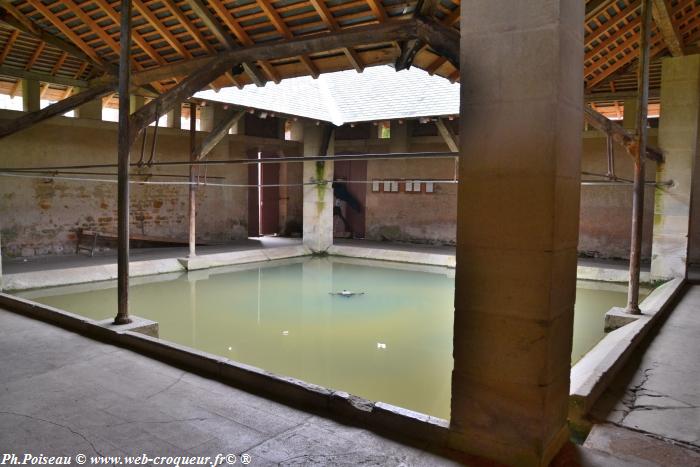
(39, 216)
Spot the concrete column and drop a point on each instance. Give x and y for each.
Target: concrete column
(174, 117)
(210, 115)
(31, 95)
(318, 199)
(678, 139)
(517, 230)
(92, 109)
(629, 116)
(399, 136)
(136, 102)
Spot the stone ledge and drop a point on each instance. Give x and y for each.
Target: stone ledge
(242, 257)
(399, 256)
(596, 370)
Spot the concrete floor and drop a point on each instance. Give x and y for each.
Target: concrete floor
(64, 394)
(651, 412)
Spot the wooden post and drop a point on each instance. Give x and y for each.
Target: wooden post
(639, 150)
(124, 142)
(193, 191)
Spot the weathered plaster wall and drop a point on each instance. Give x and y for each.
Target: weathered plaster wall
(606, 211)
(39, 217)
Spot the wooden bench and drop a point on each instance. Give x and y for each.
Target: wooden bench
(87, 240)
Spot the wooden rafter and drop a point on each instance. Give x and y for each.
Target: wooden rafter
(35, 56)
(449, 20)
(89, 22)
(165, 33)
(329, 20)
(8, 47)
(661, 12)
(65, 30)
(282, 28)
(136, 36)
(201, 10)
(16, 20)
(242, 36)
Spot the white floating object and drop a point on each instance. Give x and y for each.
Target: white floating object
(387, 186)
(375, 186)
(429, 187)
(285, 333)
(395, 187)
(381, 345)
(409, 186)
(416, 186)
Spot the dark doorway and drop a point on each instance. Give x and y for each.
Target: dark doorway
(263, 199)
(354, 171)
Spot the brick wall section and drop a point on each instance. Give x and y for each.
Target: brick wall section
(40, 217)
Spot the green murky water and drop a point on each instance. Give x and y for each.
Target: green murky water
(393, 344)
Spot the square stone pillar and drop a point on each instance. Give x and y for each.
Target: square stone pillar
(31, 95)
(399, 137)
(318, 199)
(629, 115)
(678, 139)
(210, 115)
(517, 227)
(136, 102)
(92, 109)
(174, 117)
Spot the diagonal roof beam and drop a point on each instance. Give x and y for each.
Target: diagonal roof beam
(210, 21)
(201, 72)
(217, 134)
(618, 134)
(409, 49)
(661, 12)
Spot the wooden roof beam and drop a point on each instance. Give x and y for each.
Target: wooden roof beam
(217, 134)
(450, 138)
(210, 21)
(661, 12)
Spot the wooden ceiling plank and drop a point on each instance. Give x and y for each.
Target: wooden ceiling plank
(65, 30)
(168, 36)
(661, 12)
(656, 48)
(377, 10)
(59, 63)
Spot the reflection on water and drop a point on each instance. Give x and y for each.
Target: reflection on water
(393, 344)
